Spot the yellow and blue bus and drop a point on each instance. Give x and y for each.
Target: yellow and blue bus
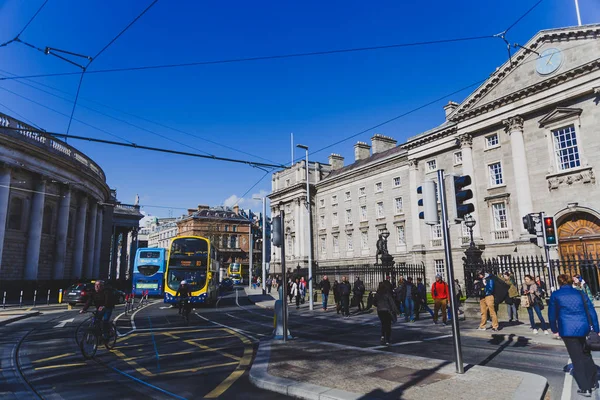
(193, 259)
(149, 271)
(234, 272)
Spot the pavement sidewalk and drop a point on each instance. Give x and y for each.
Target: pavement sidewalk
(319, 370)
(8, 317)
(262, 300)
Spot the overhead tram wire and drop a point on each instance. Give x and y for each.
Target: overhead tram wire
(141, 147)
(25, 27)
(523, 16)
(13, 112)
(258, 58)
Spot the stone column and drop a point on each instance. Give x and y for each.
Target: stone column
(417, 244)
(34, 233)
(91, 241)
(123, 260)
(514, 127)
(114, 253)
(466, 148)
(98, 241)
(5, 173)
(80, 236)
(62, 229)
(133, 248)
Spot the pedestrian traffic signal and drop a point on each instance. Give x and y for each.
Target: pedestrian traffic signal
(549, 231)
(429, 203)
(461, 195)
(529, 224)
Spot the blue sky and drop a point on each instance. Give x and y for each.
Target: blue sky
(252, 106)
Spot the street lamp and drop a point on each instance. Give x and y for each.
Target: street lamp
(310, 280)
(264, 241)
(470, 223)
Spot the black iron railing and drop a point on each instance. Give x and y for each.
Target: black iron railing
(371, 274)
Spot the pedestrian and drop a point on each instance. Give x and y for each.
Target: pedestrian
(269, 283)
(325, 286)
(422, 299)
(479, 291)
(457, 295)
(397, 291)
(302, 286)
(571, 314)
(541, 285)
(295, 291)
(386, 311)
(487, 303)
(409, 296)
(512, 300)
(289, 289)
(531, 290)
(579, 284)
(440, 294)
(344, 289)
(359, 291)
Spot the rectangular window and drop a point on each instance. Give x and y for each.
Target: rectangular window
(458, 158)
(436, 231)
(323, 244)
(492, 141)
(440, 267)
(500, 217)
(335, 221)
(398, 206)
(364, 240)
(348, 196)
(321, 202)
(496, 174)
(566, 148)
(334, 199)
(378, 187)
(431, 165)
(397, 181)
(380, 209)
(321, 222)
(348, 216)
(363, 213)
(226, 228)
(349, 244)
(401, 235)
(234, 228)
(336, 244)
(362, 191)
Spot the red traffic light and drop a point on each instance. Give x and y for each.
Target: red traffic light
(549, 222)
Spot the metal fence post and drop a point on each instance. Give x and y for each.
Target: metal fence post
(34, 296)
(48, 299)
(4, 300)
(21, 299)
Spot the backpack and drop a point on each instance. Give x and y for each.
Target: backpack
(500, 289)
(344, 290)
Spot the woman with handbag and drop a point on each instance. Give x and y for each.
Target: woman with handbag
(386, 311)
(513, 299)
(574, 318)
(530, 290)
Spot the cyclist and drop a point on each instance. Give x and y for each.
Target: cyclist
(104, 303)
(183, 293)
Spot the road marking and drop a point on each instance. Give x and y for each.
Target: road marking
(212, 338)
(410, 342)
(60, 366)
(216, 350)
(250, 321)
(567, 385)
(200, 368)
(436, 338)
(62, 323)
(53, 358)
(132, 363)
(241, 331)
(155, 348)
(170, 335)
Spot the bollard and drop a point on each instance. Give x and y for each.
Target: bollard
(34, 296)
(278, 322)
(59, 296)
(4, 300)
(48, 299)
(21, 299)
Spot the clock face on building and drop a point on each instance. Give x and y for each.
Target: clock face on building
(549, 61)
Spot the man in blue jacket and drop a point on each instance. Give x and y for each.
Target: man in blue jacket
(571, 313)
(487, 303)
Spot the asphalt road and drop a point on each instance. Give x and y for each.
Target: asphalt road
(161, 356)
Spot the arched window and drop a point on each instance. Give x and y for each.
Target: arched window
(15, 217)
(48, 218)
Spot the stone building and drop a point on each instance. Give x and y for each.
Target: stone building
(57, 213)
(528, 137)
(161, 231)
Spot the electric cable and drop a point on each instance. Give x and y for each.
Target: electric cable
(523, 16)
(25, 27)
(13, 112)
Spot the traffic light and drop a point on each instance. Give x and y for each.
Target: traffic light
(461, 195)
(429, 203)
(277, 233)
(549, 231)
(529, 224)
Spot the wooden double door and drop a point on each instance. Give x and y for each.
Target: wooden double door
(579, 236)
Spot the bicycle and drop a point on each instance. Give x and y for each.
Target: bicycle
(186, 308)
(90, 335)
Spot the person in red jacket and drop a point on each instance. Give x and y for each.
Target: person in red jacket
(440, 294)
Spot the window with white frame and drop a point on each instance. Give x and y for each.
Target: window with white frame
(500, 216)
(323, 244)
(362, 191)
(458, 158)
(380, 209)
(321, 202)
(335, 221)
(436, 235)
(492, 141)
(378, 187)
(336, 243)
(397, 181)
(465, 234)
(566, 148)
(348, 195)
(400, 235)
(495, 170)
(363, 213)
(334, 199)
(398, 206)
(431, 165)
(321, 222)
(348, 216)
(440, 267)
(349, 244)
(364, 240)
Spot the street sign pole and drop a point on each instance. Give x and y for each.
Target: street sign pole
(284, 280)
(450, 273)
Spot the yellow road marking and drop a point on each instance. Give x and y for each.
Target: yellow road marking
(131, 345)
(217, 350)
(239, 371)
(53, 358)
(129, 360)
(198, 368)
(170, 335)
(60, 366)
(175, 332)
(212, 338)
(29, 309)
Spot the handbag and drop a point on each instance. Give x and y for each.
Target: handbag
(592, 340)
(539, 302)
(525, 301)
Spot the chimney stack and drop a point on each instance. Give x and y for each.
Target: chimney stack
(449, 108)
(191, 211)
(236, 209)
(203, 207)
(336, 161)
(382, 143)
(362, 151)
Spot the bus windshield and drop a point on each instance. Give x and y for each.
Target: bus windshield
(196, 279)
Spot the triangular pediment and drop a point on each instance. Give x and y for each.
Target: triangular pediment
(559, 114)
(524, 74)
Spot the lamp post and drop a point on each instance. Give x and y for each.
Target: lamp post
(310, 280)
(470, 223)
(264, 241)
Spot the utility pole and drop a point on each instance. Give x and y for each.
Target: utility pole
(310, 244)
(577, 10)
(250, 258)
